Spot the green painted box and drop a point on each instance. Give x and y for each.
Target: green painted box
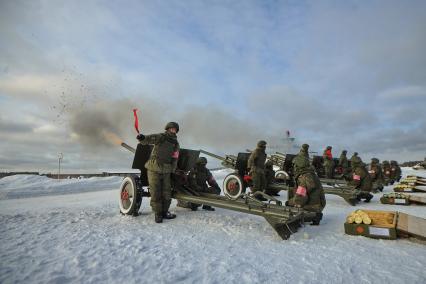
(383, 225)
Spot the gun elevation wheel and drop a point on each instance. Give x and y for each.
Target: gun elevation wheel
(130, 198)
(233, 186)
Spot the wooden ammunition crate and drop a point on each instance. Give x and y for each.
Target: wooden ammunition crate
(394, 201)
(383, 225)
(408, 225)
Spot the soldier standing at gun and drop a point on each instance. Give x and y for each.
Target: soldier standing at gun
(308, 193)
(395, 171)
(387, 172)
(328, 162)
(256, 166)
(344, 165)
(161, 164)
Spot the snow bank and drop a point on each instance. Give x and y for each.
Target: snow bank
(23, 186)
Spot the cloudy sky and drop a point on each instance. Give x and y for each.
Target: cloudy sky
(351, 74)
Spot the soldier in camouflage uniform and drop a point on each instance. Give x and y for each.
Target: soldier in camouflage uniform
(386, 172)
(328, 162)
(395, 171)
(161, 164)
(201, 179)
(308, 193)
(376, 174)
(256, 166)
(344, 165)
(361, 179)
(270, 179)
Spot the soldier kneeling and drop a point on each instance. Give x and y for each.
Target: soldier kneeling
(201, 179)
(308, 193)
(361, 179)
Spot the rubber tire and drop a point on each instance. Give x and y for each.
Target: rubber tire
(130, 184)
(280, 173)
(241, 186)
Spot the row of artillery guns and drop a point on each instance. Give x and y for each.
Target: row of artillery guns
(285, 220)
(236, 183)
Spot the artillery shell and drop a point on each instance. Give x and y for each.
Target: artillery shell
(350, 219)
(358, 219)
(366, 220)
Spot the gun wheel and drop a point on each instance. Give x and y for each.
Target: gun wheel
(233, 186)
(130, 199)
(283, 175)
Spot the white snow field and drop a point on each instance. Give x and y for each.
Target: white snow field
(70, 231)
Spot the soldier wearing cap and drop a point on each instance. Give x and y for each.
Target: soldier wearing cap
(161, 164)
(256, 166)
(308, 193)
(328, 162)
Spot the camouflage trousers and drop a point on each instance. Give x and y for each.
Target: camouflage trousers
(329, 171)
(160, 190)
(259, 181)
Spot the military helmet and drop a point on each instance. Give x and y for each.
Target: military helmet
(202, 161)
(345, 152)
(329, 147)
(305, 147)
(355, 153)
(375, 160)
(356, 161)
(261, 143)
(172, 124)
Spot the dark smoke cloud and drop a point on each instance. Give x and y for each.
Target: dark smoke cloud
(200, 126)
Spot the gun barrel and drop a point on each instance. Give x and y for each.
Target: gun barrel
(130, 148)
(212, 155)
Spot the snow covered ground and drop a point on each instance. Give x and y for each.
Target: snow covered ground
(71, 231)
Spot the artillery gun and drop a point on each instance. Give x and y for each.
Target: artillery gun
(236, 183)
(285, 220)
(285, 174)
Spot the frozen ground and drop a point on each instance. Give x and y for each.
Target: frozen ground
(71, 231)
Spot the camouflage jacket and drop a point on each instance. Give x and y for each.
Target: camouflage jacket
(164, 155)
(361, 179)
(376, 173)
(309, 193)
(200, 178)
(343, 161)
(395, 172)
(256, 161)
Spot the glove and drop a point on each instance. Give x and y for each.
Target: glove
(140, 137)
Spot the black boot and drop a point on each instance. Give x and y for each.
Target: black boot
(158, 218)
(316, 221)
(168, 215)
(208, 208)
(368, 197)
